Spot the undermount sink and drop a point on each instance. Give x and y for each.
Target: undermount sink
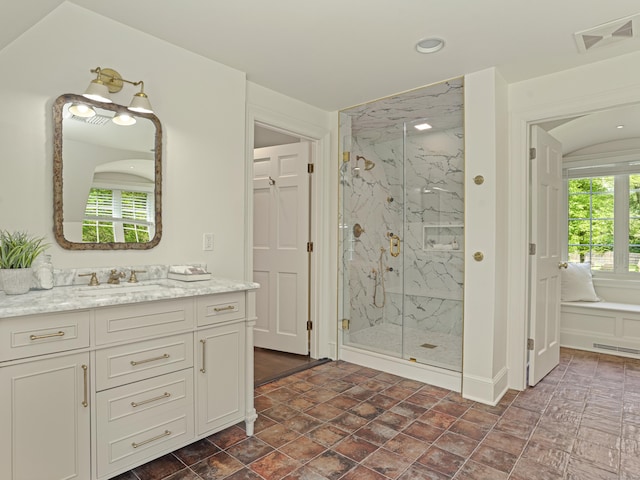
(123, 288)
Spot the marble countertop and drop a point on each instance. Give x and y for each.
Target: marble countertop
(77, 297)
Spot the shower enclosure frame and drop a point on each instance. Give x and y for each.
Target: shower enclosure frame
(361, 170)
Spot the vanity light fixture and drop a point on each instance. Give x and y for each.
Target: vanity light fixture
(109, 81)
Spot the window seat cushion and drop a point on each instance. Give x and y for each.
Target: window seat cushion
(620, 307)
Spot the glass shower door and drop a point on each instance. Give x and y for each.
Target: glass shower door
(371, 189)
(434, 242)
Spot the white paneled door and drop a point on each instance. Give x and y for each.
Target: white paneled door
(281, 201)
(546, 208)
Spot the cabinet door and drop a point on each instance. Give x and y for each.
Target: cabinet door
(220, 376)
(44, 419)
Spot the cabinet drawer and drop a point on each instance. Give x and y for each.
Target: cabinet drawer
(129, 363)
(22, 337)
(220, 308)
(162, 420)
(121, 323)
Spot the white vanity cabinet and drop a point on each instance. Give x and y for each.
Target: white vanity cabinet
(90, 393)
(44, 419)
(221, 346)
(220, 383)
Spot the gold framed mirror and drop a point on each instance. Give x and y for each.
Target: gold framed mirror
(107, 176)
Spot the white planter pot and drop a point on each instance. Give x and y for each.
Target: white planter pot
(16, 281)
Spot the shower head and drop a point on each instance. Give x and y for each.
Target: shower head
(368, 164)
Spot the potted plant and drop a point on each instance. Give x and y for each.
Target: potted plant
(18, 250)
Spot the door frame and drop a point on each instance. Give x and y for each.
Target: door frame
(519, 273)
(319, 218)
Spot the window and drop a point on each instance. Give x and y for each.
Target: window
(115, 215)
(604, 221)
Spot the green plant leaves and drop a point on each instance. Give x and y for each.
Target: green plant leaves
(19, 250)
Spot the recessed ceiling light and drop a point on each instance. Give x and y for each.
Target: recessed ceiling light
(422, 126)
(620, 126)
(430, 45)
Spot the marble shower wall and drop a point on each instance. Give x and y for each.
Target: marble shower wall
(415, 190)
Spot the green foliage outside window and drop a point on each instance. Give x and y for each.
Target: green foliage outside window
(591, 221)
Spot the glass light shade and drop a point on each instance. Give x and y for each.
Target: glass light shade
(82, 110)
(140, 103)
(430, 45)
(97, 91)
(123, 119)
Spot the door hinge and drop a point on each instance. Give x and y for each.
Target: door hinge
(310, 168)
(530, 344)
(345, 324)
(309, 247)
(533, 153)
(309, 325)
(532, 249)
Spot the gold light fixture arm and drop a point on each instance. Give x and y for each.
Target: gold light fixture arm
(114, 80)
(109, 81)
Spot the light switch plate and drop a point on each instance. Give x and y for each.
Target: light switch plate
(207, 241)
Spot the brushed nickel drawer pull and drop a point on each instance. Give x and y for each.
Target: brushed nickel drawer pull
(166, 433)
(154, 399)
(204, 358)
(85, 402)
(138, 362)
(223, 309)
(48, 335)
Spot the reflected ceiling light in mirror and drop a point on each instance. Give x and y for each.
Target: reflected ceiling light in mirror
(620, 126)
(123, 119)
(82, 110)
(109, 81)
(422, 126)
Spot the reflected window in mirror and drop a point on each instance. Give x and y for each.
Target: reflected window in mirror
(107, 176)
(114, 215)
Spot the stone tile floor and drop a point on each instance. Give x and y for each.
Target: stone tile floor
(344, 421)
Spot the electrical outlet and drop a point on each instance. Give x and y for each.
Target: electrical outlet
(207, 241)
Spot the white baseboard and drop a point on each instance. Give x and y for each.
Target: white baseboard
(485, 390)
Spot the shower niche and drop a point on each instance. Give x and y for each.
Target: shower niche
(401, 283)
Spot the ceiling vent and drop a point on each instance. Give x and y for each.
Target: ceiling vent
(95, 120)
(608, 33)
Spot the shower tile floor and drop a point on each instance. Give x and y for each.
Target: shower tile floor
(341, 421)
(387, 339)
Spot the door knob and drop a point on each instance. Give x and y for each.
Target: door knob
(563, 265)
(478, 256)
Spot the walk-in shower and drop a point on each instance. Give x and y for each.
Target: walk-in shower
(402, 228)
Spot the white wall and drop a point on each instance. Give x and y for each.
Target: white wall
(600, 85)
(485, 344)
(200, 103)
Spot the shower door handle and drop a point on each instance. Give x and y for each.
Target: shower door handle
(394, 245)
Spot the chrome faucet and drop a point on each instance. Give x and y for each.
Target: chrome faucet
(115, 276)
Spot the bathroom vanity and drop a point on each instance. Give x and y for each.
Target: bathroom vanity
(97, 380)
